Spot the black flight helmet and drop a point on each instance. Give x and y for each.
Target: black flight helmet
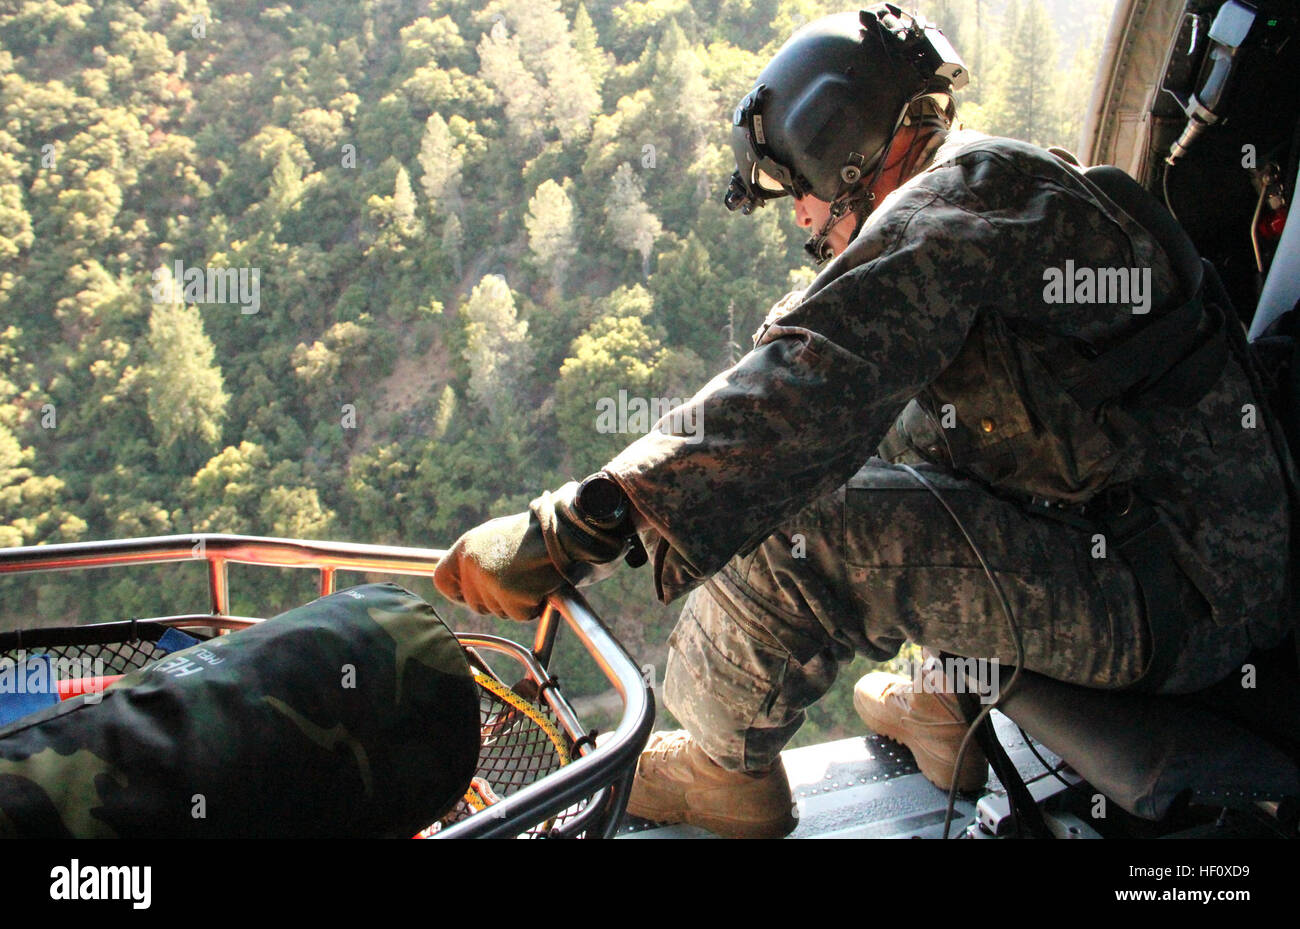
(823, 112)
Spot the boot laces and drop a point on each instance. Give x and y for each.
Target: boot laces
(669, 748)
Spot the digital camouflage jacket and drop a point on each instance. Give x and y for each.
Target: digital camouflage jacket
(944, 331)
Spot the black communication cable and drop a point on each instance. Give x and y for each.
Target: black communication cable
(1015, 635)
(1053, 771)
(1164, 187)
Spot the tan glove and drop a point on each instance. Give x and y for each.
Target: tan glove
(508, 566)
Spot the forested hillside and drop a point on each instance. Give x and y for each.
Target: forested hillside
(451, 228)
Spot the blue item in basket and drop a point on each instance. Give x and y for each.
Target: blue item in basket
(173, 640)
(31, 685)
(26, 686)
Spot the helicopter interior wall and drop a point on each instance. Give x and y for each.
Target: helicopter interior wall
(1116, 127)
(1133, 122)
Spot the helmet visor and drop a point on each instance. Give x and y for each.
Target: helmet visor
(767, 183)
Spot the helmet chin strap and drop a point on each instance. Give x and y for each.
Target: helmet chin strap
(854, 194)
(859, 198)
(860, 203)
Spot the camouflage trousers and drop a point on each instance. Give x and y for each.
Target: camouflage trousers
(880, 562)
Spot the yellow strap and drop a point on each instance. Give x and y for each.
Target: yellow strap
(528, 709)
(506, 695)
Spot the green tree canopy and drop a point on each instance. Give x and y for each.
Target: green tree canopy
(552, 233)
(496, 346)
(185, 389)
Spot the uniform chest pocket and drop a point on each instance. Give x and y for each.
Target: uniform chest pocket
(974, 414)
(999, 414)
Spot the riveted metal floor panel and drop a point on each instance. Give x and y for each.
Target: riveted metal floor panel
(868, 787)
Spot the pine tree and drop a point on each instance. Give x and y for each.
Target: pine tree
(441, 161)
(1023, 99)
(522, 95)
(32, 507)
(529, 57)
(286, 186)
(496, 346)
(552, 233)
(685, 103)
(631, 223)
(404, 205)
(185, 389)
(573, 95)
(294, 513)
(586, 44)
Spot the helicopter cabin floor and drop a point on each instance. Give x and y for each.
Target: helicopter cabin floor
(868, 787)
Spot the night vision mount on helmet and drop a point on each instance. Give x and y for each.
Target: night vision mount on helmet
(823, 113)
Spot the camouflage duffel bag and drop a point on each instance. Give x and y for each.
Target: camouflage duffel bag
(355, 715)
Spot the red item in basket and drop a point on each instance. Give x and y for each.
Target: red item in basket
(76, 686)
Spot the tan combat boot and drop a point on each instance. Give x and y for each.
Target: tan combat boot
(677, 783)
(930, 724)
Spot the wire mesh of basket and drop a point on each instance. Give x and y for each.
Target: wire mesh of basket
(523, 741)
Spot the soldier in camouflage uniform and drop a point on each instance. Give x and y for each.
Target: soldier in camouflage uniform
(929, 341)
